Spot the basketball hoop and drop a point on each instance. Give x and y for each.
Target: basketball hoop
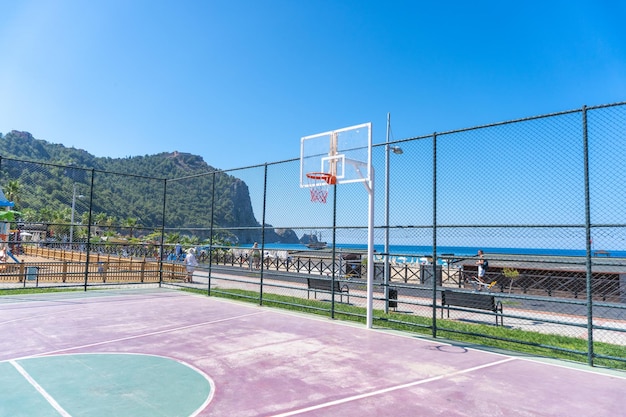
(319, 183)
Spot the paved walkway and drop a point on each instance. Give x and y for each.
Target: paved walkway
(516, 316)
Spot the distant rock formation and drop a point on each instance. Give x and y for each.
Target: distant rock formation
(233, 210)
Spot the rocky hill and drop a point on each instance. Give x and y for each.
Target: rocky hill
(233, 209)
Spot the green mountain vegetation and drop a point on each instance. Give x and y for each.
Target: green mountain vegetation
(40, 178)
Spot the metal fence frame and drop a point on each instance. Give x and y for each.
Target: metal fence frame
(408, 285)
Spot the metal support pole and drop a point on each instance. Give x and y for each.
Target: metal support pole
(262, 266)
(162, 237)
(370, 237)
(386, 268)
(211, 234)
(589, 270)
(89, 219)
(434, 299)
(72, 216)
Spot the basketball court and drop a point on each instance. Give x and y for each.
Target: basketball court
(163, 352)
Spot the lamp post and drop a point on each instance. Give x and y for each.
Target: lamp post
(398, 151)
(72, 217)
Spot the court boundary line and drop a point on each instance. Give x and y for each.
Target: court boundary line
(390, 389)
(137, 336)
(34, 316)
(79, 306)
(40, 389)
(59, 297)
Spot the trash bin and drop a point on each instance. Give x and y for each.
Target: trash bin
(426, 274)
(31, 273)
(393, 298)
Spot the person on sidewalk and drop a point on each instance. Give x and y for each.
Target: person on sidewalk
(190, 263)
(483, 281)
(256, 256)
(482, 266)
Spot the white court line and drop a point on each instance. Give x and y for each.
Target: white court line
(40, 389)
(81, 306)
(36, 316)
(389, 389)
(139, 336)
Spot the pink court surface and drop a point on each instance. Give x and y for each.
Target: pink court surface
(161, 352)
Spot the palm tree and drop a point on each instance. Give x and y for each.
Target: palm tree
(131, 223)
(12, 191)
(172, 238)
(154, 236)
(100, 219)
(58, 220)
(30, 215)
(46, 214)
(190, 241)
(110, 221)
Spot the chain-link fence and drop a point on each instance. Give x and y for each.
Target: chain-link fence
(542, 197)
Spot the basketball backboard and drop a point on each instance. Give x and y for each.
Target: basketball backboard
(343, 153)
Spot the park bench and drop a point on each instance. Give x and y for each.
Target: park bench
(327, 285)
(473, 300)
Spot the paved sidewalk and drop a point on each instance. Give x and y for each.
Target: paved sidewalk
(530, 319)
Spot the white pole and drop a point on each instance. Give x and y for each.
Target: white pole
(72, 218)
(370, 236)
(386, 268)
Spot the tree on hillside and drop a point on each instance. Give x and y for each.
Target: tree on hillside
(172, 238)
(131, 223)
(100, 219)
(12, 191)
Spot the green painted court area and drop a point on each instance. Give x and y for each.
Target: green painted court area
(102, 385)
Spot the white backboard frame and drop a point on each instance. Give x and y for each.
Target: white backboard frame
(344, 153)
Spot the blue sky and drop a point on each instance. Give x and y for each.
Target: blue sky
(239, 82)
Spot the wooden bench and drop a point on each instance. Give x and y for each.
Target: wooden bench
(327, 285)
(477, 301)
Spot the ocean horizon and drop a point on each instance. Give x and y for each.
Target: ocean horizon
(442, 251)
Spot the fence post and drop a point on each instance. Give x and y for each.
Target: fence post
(434, 299)
(64, 272)
(588, 243)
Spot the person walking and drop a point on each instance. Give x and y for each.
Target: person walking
(482, 265)
(190, 263)
(178, 252)
(256, 256)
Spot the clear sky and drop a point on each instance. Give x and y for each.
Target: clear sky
(238, 82)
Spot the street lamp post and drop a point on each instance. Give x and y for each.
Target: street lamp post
(398, 151)
(72, 216)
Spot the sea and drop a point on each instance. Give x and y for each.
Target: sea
(445, 251)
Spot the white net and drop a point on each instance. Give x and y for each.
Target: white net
(319, 185)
